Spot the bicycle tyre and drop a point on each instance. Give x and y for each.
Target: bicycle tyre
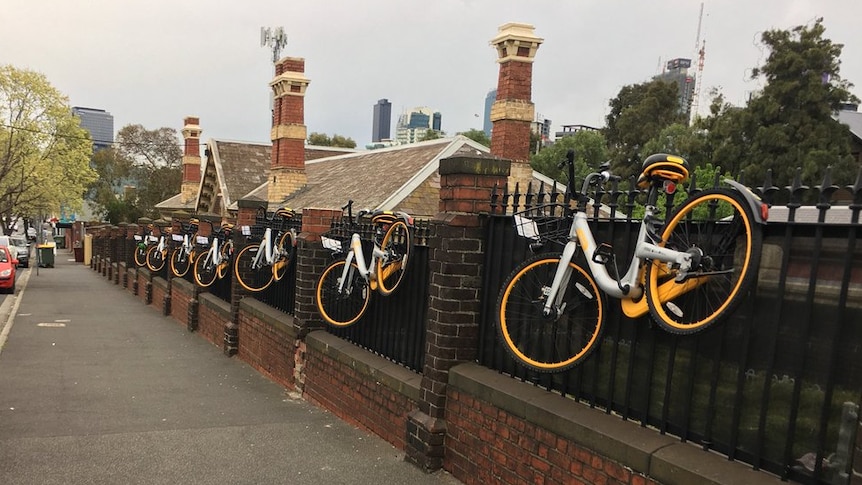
(155, 259)
(398, 245)
(181, 262)
(204, 270)
(286, 253)
(226, 251)
(141, 255)
(256, 279)
(341, 310)
(548, 344)
(720, 224)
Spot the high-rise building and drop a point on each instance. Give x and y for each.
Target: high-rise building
(676, 71)
(382, 121)
(412, 125)
(99, 123)
(486, 121)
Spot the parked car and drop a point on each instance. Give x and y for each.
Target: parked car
(8, 272)
(23, 247)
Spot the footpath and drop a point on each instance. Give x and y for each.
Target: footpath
(98, 388)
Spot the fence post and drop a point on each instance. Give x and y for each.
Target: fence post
(246, 210)
(452, 334)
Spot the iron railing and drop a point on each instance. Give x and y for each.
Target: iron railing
(777, 385)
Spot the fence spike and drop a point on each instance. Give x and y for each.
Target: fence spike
(767, 190)
(826, 189)
(516, 197)
(494, 198)
(717, 177)
(856, 190)
(796, 189)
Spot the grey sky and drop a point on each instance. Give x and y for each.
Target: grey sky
(154, 62)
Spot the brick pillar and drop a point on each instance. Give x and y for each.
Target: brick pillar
(247, 209)
(513, 111)
(191, 159)
(130, 246)
(457, 248)
(287, 168)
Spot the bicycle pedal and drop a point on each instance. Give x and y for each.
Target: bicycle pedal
(604, 254)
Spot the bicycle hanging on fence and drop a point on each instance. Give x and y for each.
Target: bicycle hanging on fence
(157, 253)
(688, 272)
(183, 256)
(214, 263)
(143, 242)
(344, 289)
(258, 265)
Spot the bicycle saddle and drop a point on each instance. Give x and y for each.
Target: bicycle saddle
(383, 217)
(285, 213)
(660, 167)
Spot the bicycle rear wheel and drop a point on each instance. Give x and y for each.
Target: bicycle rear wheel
(141, 255)
(204, 270)
(717, 227)
(556, 342)
(249, 277)
(341, 309)
(226, 259)
(286, 253)
(155, 259)
(181, 261)
(398, 246)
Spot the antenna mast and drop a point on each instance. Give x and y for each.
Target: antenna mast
(276, 39)
(701, 51)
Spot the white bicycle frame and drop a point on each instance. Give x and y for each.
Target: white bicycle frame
(213, 255)
(368, 272)
(268, 250)
(628, 286)
(186, 246)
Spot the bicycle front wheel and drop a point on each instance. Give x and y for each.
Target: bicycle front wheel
(226, 258)
(344, 308)
(285, 246)
(397, 246)
(141, 255)
(204, 270)
(249, 277)
(155, 259)
(556, 342)
(717, 228)
(181, 261)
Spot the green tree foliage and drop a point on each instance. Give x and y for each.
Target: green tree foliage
(590, 152)
(431, 135)
(790, 123)
(638, 114)
(155, 159)
(44, 153)
(478, 136)
(323, 140)
(109, 192)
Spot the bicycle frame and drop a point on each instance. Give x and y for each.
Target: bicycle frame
(267, 250)
(368, 272)
(213, 255)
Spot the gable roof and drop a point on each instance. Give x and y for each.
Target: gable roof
(853, 119)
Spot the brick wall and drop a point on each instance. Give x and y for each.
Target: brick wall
(267, 341)
(213, 316)
(160, 290)
(182, 292)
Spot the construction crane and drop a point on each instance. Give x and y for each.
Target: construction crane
(700, 48)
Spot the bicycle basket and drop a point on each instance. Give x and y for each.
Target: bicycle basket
(336, 239)
(544, 223)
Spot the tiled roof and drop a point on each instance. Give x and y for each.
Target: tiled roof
(174, 204)
(241, 167)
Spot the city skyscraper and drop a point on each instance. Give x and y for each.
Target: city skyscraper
(413, 124)
(382, 121)
(486, 121)
(676, 71)
(99, 123)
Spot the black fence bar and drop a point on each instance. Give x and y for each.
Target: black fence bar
(769, 386)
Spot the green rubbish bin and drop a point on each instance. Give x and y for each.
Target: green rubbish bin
(60, 241)
(45, 255)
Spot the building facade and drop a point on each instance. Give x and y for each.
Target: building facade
(382, 121)
(99, 123)
(486, 119)
(413, 124)
(676, 71)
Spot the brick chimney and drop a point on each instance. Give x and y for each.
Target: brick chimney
(287, 170)
(191, 159)
(513, 111)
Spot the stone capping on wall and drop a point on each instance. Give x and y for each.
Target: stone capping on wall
(269, 315)
(216, 304)
(389, 374)
(660, 457)
(161, 283)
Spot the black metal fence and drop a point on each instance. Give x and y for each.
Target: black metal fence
(777, 385)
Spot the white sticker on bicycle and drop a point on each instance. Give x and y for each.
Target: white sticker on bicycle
(526, 227)
(331, 244)
(176, 237)
(138, 237)
(246, 231)
(203, 240)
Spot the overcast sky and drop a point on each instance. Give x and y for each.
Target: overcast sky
(154, 62)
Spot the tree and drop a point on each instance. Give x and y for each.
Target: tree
(155, 159)
(323, 140)
(44, 153)
(108, 194)
(431, 134)
(638, 114)
(590, 152)
(678, 139)
(478, 136)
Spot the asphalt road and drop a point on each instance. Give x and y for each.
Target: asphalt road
(97, 388)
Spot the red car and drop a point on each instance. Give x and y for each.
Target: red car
(7, 270)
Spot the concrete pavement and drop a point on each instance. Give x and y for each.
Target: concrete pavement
(97, 388)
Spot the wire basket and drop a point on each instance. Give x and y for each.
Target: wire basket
(336, 239)
(545, 223)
